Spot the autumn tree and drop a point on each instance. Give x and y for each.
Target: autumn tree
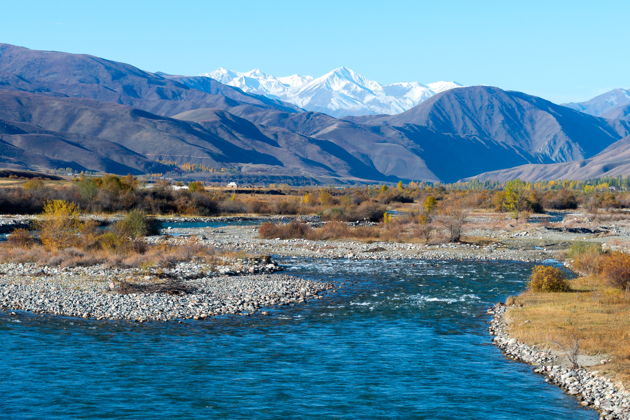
(60, 224)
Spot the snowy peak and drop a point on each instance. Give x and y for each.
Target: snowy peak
(222, 75)
(295, 81)
(442, 86)
(340, 92)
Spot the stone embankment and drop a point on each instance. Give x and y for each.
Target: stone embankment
(591, 389)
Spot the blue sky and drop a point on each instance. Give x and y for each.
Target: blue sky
(557, 49)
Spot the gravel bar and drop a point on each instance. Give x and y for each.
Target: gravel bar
(90, 292)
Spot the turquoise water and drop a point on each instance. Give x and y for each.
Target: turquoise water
(211, 224)
(555, 216)
(399, 339)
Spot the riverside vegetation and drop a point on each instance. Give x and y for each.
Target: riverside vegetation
(585, 316)
(206, 277)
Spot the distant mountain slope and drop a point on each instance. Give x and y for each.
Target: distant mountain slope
(339, 92)
(613, 161)
(26, 146)
(85, 76)
(410, 152)
(543, 131)
(456, 134)
(603, 104)
(39, 131)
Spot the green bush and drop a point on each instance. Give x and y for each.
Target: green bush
(548, 279)
(578, 248)
(134, 225)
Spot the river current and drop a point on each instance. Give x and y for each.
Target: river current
(398, 339)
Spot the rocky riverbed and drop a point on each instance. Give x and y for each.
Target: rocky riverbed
(186, 291)
(245, 239)
(587, 386)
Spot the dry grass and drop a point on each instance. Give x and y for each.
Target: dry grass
(595, 314)
(401, 229)
(140, 255)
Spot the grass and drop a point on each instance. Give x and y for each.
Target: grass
(141, 255)
(594, 314)
(401, 229)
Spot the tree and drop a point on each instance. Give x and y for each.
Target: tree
(517, 196)
(60, 224)
(87, 189)
(196, 186)
(429, 204)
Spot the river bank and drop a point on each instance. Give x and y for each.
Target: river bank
(587, 386)
(22, 284)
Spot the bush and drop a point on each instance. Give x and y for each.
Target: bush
(60, 224)
(110, 241)
(586, 257)
(133, 225)
(196, 186)
(579, 248)
(453, 222)
(291, 230)
(21, 238)
(331, 230)
(616, 270)
(560, 200)
(548, 279)
(367, 211)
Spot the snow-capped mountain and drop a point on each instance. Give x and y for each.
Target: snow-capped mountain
(339, 92)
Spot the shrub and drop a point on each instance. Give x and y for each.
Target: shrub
(291, 230)
(110, 241)
(133, 225)
(33, 184)
(560, 200)
(334, 213)
(287, 207)
(429, 204)
(548, 279)
(331, 230)
(60, 224)
(616, 270)
(367, 211)
(21, 238)
(453, 221)
(584, 248)
(196, 186)
(586, 257)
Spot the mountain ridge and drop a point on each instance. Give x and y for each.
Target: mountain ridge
(60, 109)
(339, 92)
(604, 105)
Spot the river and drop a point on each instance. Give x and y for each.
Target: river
(404, 338)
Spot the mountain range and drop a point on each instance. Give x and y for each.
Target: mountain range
(613, 104)
(340, 92)
(60, 110)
